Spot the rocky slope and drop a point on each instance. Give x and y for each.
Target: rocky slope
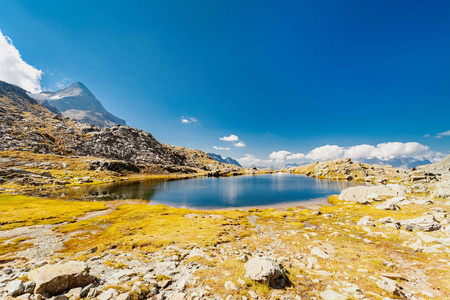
(441, 167)
(27, 126)
(346, 169)
(77, 102)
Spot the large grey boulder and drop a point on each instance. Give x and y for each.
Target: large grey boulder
(265, 270)
(424, 223)
(363, 192)
(54, 279)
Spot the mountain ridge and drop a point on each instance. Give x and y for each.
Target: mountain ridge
(228, 160)
(26, 125)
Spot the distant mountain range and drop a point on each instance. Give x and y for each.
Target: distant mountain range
(227, 160)
(77, 102)
(397, 162)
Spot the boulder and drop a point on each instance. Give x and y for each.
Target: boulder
(15, 288)
(424, 223)
(442, 189)
(375, 192)
(390, 286)
(265, 270)
(54, 279)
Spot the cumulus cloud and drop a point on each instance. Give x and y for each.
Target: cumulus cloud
(220, 148)
(383, 151)
(250, 160)
(231, 138)
(325, 152)
(188, 120)
(240, 144)
(283, 155)
(295, 156)
(13, 69)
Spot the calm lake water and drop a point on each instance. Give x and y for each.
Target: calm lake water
(212, 192)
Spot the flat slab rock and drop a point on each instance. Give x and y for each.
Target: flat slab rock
(362, 192)
(54, 279)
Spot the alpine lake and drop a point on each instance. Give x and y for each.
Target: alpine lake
(247, 191)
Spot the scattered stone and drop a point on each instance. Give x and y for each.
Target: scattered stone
(366, 221)
(126, 296)
(317, 252)
(53, 279)
(84, 292)
(28, 287)
(388, 206)
(332, 295)
(197, 252)
(265, 270)
(109, 294)
(253, 295)
(8, 270)
(230, 286)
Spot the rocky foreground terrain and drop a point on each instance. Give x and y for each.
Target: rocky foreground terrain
(385, 241)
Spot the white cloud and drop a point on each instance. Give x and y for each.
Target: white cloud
(325, 152)
(445, 133)
(188, 120)
(426, 135)
(13, 69)
(283, 155)
(295, 156)
(383, 151)
(279, 156)
(240, 144)
(231, 138)
(250, 160)
(220, 148)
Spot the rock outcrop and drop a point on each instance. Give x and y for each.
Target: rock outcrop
(54, 279)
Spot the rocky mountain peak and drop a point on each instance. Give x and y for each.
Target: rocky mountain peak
(79, 103)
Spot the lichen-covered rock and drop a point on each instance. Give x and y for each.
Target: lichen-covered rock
(54, 279)
(265, 270)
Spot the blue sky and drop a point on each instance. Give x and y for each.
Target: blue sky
(280, 75)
